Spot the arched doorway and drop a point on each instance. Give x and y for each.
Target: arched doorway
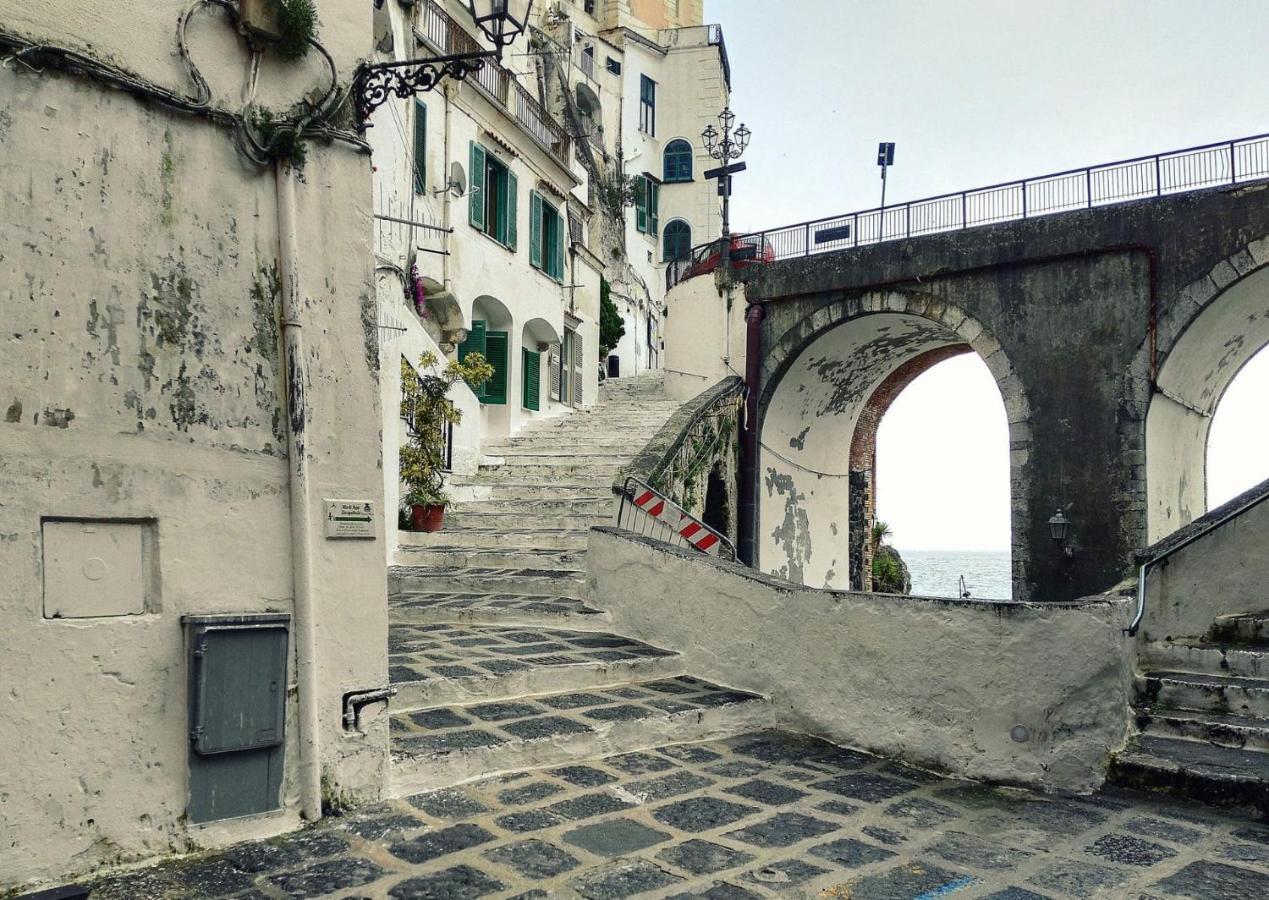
(1212, 348)
(813, 497)
(1238, 440)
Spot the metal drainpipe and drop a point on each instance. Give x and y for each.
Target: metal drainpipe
(310, 776)
(749, 456)
(446, 199)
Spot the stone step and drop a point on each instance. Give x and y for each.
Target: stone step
(462, 579)
(497, 557)
(593, 505)
(1242, 628)
(480, 536)
(1206, 657)
(1225, 694)
(1196, 771)
(596, 443)
(445, 746)
(435, 665)
(1238, 732)
(570, 473)
(493, 609)
(554, 455)
(532, 490)
(527, 521)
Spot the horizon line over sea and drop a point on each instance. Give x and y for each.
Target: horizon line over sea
(936, 573)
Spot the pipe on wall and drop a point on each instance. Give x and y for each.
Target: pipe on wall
(310, 779)
(748, 524)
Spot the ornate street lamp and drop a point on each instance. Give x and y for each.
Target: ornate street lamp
(1059, 527)
(501, 22)
(726, 145)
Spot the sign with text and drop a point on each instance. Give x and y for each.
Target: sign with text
(350, 519)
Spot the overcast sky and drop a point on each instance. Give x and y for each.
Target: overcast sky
(975, 92)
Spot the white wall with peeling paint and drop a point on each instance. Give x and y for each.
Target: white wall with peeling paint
(141, 379)
(937, 683)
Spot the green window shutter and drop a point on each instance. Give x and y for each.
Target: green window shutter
(496, 345)
(654, 207)
(513, 190)
(476, 192)
(535, 229)
(641, 204)
(559, 247)
(420, 147)
(532, 379)
(475, 343)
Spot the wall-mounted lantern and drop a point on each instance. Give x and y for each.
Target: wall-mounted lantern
(1059, 528)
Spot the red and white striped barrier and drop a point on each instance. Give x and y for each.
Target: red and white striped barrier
(682, 524)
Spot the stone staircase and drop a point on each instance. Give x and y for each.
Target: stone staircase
(1202, 709)
(500, 662)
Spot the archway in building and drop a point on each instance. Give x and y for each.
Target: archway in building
(1238, 440)
(540, 365)
(819, 419)
(717, 512)
(939, 476)
(1217, 343)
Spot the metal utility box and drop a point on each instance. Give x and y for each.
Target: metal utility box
(93, 569)
(237, 713)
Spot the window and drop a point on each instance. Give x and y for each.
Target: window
(492, 345)
(647, 105)
(613, 66)
(546, 237)
(589, 6)
(647, 204)
(492, 198)
(678, 161)
(420, 148)
(677, 240)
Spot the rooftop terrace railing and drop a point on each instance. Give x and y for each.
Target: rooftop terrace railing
(1194, 168)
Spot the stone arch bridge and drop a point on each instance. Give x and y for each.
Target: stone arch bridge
(1111, 332)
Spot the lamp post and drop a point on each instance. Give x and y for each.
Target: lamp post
(725, 146)
(1059, 526)
(501, 22)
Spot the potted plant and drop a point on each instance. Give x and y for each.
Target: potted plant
(428, 412)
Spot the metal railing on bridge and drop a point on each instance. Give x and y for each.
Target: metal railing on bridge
(1161, 174)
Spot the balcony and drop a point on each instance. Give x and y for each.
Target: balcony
(444, 36)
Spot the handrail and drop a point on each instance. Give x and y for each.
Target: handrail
(1175, 171)
(1261, 494)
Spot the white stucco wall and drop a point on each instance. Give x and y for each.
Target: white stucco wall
(142, 380)
(704, 340)
(938, 683)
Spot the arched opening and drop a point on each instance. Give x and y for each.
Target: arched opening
(1195, 374)
(492, 334)
(717, 514)
(1238, 440)
(941, 475)
(676, 240)
(591, 111)
(818, 435)
(678, 162)
(540, 365)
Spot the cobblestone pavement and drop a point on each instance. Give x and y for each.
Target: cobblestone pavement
(768, 814)
(458, 605)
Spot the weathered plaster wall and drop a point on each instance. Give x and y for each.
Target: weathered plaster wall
(141, 378)
(704, 338)
(939, 683)
(1224, 571)
(1064, 306)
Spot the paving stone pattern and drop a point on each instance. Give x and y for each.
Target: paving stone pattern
(423, 652)
(764, 815)
(450, 605)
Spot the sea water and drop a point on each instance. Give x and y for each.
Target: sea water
(936, 573)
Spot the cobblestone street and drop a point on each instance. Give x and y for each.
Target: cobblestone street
(762, 815)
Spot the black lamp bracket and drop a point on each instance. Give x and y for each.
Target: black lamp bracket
(376, 83)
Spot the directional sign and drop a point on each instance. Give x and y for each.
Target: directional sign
(836, 233)
(350, 519)
(725, 170)
(885, 154)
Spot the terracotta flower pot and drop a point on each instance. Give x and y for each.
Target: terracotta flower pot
(427, 518)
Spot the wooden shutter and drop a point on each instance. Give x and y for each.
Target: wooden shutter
(641, 204)
(578, 363)
(535, 229)
(476, 190)
(559, 247)
(496, 345)
(654, 207)
(513, 190)
(532, 363)
(475, 343)
(553, 363)
(420, 147)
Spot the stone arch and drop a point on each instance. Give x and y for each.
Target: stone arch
(821, 375)
(589, 106)
(1214, 326)
(493, 312)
